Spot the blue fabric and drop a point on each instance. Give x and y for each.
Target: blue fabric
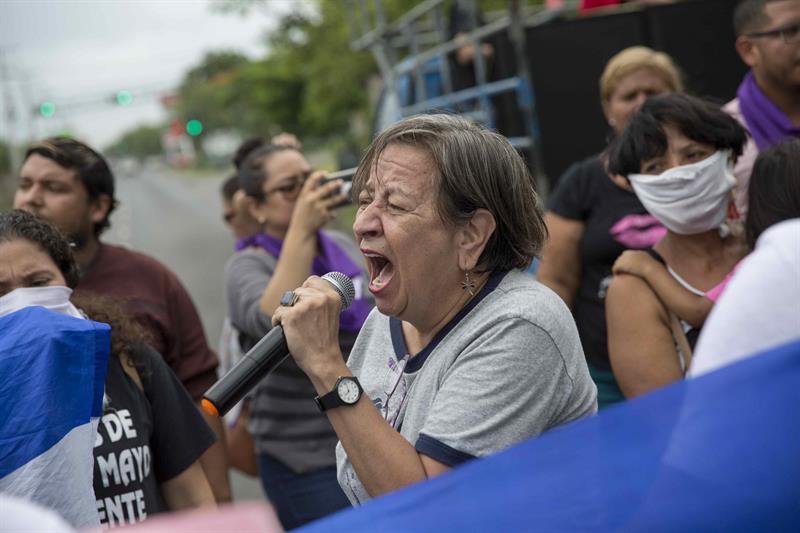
(52, 369)
(716, 453)
(300, 498)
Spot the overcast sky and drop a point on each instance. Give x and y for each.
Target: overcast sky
(77, 53)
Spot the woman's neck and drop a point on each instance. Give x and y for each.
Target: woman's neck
(703, 260)
(274, 232)
(421, 333)
(706, 245)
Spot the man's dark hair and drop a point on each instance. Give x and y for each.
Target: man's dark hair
(245, 149)
(750, 16)
(230, 186)
(644, 137)
(18, 225)
(91, 168)
(773, 194)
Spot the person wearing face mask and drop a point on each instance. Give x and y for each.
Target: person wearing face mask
(678, 153)
(150, 436)
(70, 184)
(294, 442)
(593, 217)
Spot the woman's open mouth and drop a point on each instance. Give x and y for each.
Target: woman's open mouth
(381, 271)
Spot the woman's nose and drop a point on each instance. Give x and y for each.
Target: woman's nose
(367, 223)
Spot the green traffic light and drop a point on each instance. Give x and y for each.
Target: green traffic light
(47, 109)
(194, 127)
(124, 98)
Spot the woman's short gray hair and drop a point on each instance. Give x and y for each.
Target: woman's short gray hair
(475, 168)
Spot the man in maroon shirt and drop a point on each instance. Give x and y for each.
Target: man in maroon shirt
(71, 185)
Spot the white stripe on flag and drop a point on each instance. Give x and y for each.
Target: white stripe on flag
(60, 479)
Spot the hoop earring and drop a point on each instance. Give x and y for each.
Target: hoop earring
(468, 284)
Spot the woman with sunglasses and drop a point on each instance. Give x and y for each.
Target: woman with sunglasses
(294, 442)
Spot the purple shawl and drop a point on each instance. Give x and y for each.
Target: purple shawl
(333, 258)
(768, 125)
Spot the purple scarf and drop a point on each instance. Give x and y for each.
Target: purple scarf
(768, 125)
(333, 258)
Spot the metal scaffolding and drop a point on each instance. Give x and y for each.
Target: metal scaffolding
(418, 41)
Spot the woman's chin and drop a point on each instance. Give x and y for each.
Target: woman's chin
(387, 304)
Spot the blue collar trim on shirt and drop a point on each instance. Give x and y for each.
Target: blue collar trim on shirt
(396, 328)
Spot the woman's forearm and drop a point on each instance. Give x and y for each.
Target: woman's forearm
(688, 306)
(381, 457)
(188, 490)
(291, 270)
(560, 268)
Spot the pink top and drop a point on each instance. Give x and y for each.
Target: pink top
(714, 294)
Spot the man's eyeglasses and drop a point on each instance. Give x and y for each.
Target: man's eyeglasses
(788, 34)
(290, 189)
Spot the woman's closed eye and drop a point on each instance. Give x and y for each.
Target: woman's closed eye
(364, 200)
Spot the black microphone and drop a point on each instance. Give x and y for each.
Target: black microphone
(262, 358)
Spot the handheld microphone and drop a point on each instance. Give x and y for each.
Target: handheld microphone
(262, 358)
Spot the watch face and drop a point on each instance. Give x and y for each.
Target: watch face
(348, 391)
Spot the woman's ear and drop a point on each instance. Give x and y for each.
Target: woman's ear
(252, 206)
(473, 237)
(621, 182)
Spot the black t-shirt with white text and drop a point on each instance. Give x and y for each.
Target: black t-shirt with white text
(144, 438)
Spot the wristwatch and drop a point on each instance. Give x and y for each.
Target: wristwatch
(347, 391)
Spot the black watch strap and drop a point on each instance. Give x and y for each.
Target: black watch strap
(333, 398)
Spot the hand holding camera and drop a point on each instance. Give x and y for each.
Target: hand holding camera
(346, 176)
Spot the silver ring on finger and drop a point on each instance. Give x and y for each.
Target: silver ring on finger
(289, 298)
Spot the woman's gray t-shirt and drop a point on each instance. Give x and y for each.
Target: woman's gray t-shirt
(508, 367)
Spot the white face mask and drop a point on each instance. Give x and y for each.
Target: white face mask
(55, 298)
(689, 199)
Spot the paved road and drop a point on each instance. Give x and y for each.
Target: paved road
(177, 219)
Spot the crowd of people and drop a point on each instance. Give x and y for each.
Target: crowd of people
(674, 252)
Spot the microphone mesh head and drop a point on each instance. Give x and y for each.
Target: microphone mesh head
(343, 285)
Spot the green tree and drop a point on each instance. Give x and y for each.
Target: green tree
(140, 142)
(309, 83)
(5, 159)
(205, 93)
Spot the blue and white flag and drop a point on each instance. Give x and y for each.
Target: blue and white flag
(717, 453)
(52, 369)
